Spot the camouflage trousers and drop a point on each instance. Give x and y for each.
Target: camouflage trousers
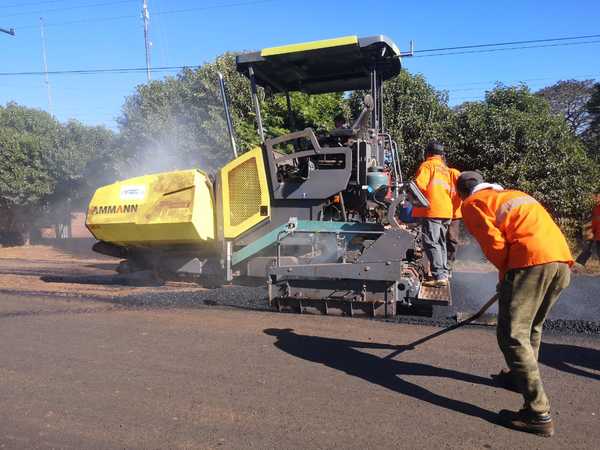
(525, 299)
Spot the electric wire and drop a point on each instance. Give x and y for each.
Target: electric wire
(67, 8)
(158, 13)
(497, 44)
(100, 71)
(569, 77)
(504, 49)
(21, 4)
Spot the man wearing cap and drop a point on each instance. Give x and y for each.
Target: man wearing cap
(433, 179)
(520, 238)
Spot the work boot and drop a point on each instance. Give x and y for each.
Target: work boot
(505, 379)
(436, 283)
(528, 421)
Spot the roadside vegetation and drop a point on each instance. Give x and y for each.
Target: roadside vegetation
(546, 143)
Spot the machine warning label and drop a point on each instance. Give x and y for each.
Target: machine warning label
(133, 192)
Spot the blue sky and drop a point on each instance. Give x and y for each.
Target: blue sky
(88, 34)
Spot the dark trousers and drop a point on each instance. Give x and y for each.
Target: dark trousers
(434, 232)
(452, 239)
(586, 253)
(525, 298)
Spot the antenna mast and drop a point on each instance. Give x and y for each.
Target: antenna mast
(45, 61)
(147, 42)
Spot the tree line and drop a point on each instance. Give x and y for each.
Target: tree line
(546, 143)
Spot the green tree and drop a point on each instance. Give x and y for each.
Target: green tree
(47, 169)
(569, 99)
(513, 138)
(592, 135)
(28, 139)
(83, 160)
(84, 156)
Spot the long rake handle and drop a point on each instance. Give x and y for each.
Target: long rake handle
(474, 317)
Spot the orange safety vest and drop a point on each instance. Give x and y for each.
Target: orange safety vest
(433, 179)
(456, 200)
(514, 230)
(596, 222)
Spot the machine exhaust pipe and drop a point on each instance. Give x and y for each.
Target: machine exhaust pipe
(227, 115)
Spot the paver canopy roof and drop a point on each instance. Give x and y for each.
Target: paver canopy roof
(332, 65)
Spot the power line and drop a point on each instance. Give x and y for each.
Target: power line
(15, 5)
(67, 8)
(567, 44)
(497, 44)
(101, 71)
(175, 11)
(128, 70)
(78, 21)
(570, 77)
(203, 8)
(529, 82)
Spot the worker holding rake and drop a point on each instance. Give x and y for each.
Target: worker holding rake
(520, 238)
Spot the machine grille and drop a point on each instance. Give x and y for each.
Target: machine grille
(244, 192)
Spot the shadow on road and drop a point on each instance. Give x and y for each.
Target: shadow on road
(343, 355)
(571, 359)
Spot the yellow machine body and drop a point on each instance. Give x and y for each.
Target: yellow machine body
(171, 208)
(244, 193)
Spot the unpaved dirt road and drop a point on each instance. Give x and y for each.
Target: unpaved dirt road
(92, 365)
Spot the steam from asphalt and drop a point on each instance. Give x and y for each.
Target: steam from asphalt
(176, 142)
(473, 285)
(326, 248)
(161, 155)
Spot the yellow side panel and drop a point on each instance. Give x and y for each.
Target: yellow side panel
(154, 210)
(313, 45)
(244, 193)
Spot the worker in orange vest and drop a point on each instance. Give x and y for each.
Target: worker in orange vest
(520, 238)
(591, 235)
(433, 179)
(454, 227)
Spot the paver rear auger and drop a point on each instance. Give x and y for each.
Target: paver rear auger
(312, 215)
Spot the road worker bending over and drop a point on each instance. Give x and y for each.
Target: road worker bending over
(520, 238)
(433, 179)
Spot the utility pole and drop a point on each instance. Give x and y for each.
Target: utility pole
(147, 42)
(45, 61)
